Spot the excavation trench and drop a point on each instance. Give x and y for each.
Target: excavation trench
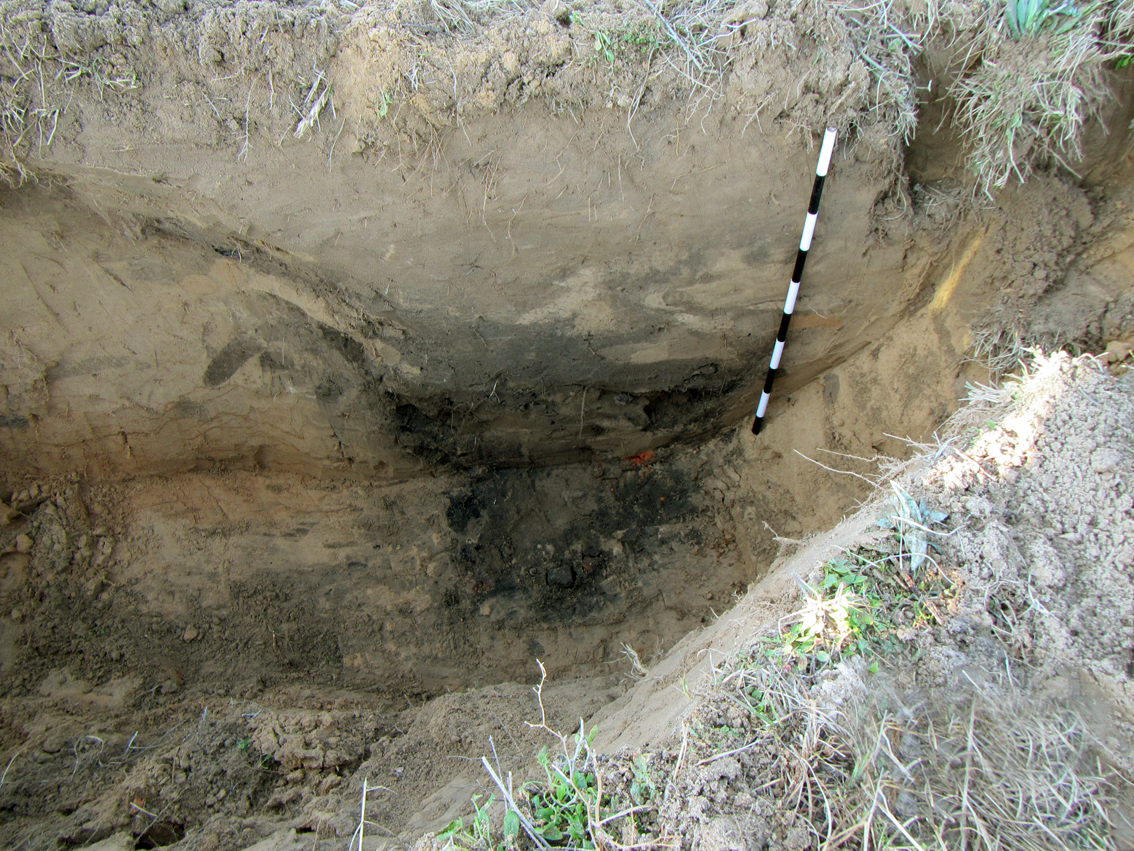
(363, 414)
(251, 475)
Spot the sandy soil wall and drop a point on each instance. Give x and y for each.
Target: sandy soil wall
(498, 265)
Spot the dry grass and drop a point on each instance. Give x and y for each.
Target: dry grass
(466, 17)
(38, 81)
(988, 770)
(1022, 101)
(886, 39)
(1026, 103)
(1000, 349)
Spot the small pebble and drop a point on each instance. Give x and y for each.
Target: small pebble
(1104, 460)
(53, 744)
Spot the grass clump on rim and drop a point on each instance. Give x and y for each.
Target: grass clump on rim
(890, 764)
(1034, 76)
(1023, 76)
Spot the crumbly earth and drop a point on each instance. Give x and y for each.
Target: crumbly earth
(353, 359)
(1037, 543)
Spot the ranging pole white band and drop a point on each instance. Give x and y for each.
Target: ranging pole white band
(792, 294)
(763, 406)
(808, 231)
(777, 353)
(825, 152)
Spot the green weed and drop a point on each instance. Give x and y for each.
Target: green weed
(563, 806)
(862, 600)
(382, 105)
(478, 833)
(643, 39)
(636, 42)
(642, 788)
(910, 523)
(567, 808)
(1031, 17)
(604, 45)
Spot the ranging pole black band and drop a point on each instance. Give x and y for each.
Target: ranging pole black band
(797, 272)
(781, 335)
(824, 163)
(816, 193)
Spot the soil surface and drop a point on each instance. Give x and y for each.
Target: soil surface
(354, 359)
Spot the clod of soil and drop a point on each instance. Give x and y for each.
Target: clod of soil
(356, 356)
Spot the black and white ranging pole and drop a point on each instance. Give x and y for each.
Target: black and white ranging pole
(797, 274)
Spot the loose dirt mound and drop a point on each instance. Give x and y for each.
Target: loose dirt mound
(998, 698)
(305, 303)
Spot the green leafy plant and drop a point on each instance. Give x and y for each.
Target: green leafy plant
(604, 45)
(839, 618)
(863, 599)
(562, 808)
(910, 522)
(1029, 17)
(638, 40)
(478, 833)
(382, 105)
(642, 788)
(643, 38)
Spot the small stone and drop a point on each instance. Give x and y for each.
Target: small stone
(1104, 460)
(191, 634)
(170, 686)
(23, 543)
(53, 744)
(561, 576)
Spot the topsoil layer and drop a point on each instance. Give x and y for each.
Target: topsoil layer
(349, 361)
